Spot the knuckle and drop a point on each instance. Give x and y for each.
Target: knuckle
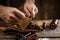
(14, 8)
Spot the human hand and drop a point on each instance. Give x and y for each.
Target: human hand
(10, 14)
(29, 8)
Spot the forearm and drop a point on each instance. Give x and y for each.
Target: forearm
(1, 6)
(30, 1)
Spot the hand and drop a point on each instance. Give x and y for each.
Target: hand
(29, 8)
(9, 14)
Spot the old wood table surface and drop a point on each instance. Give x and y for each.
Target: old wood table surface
(50, 33)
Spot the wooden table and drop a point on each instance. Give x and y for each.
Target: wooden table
(50, 33)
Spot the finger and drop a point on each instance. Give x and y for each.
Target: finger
(19, 14)
(11, 18)
(27, 12)
(33, 12)
(36, 10)
(30, 11)
(14, 18)
(6, 18)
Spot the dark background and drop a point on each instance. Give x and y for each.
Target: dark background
(48, 9)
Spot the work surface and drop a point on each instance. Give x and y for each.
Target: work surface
(45, 33)
(49, 33)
